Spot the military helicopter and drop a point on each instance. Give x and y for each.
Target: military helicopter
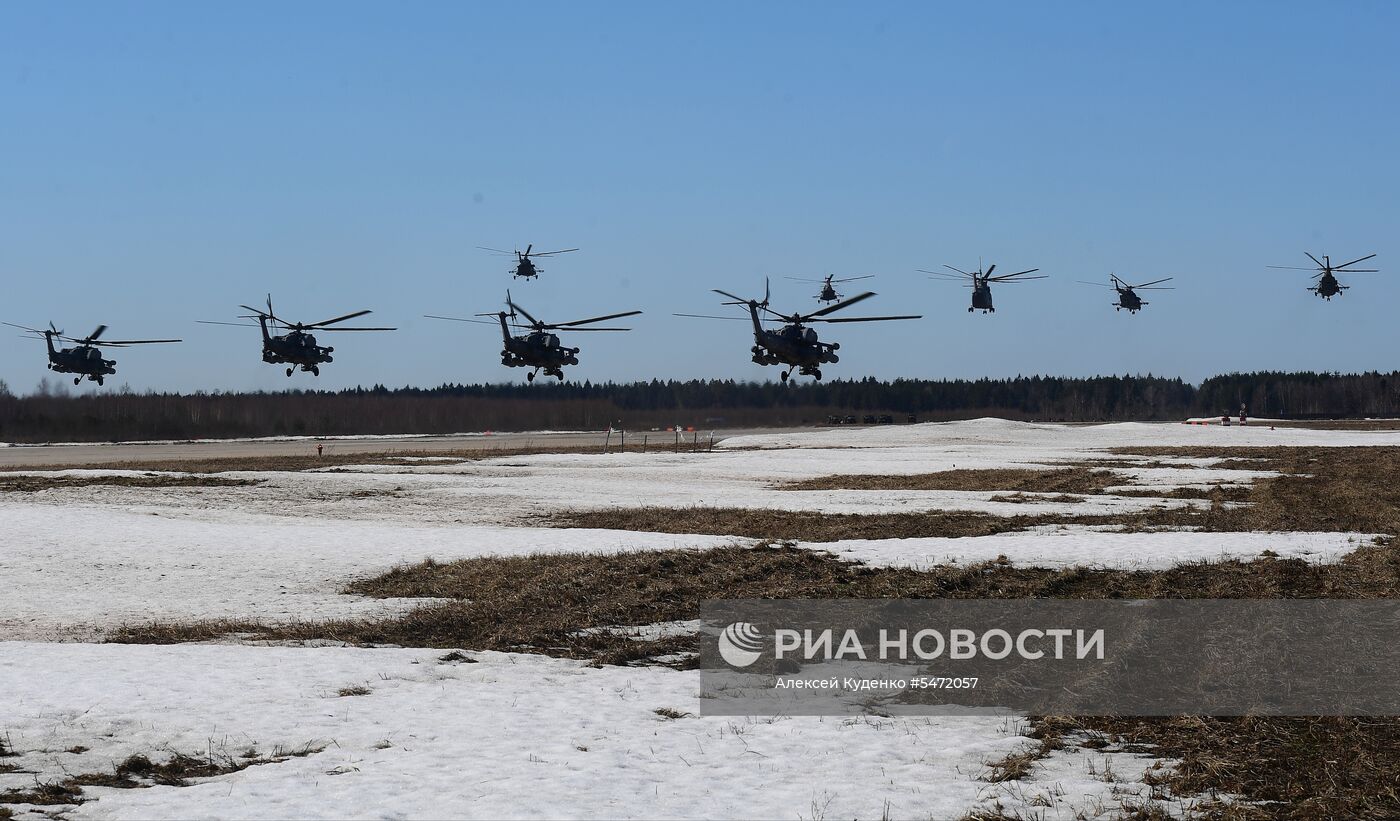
(1327, 285)
(537, 349)
(524, 266)
(86, 359)
(828, 292)
(981, 283)
(1127, 294)
(794, 344)
(297, 346)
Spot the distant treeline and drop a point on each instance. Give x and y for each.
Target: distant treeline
(50, 415)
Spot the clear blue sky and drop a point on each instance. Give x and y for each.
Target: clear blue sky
(163, 162)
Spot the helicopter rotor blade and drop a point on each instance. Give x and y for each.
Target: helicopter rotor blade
(572, 330)
(845, 303)
(853, 279)
(1353, 262)
(1291, 268)
(321, 330)
(1315, 259)
(711, 316)
(548, 253)
(235, 324)
(337, 319)
(31, 330)
(523, 312)
(1096, 284)
(125, 342)
(740, 300)
(594, 319)
(1153, 282)
(496, 251)
(867, 318)
(959, 270)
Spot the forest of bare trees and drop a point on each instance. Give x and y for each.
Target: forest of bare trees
(52, 415)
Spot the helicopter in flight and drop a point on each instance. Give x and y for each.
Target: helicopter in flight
(981, 283)
(85, 360)
(828, 292)
(1128, 298)
(292, 343)
(1327, 285)
(525, 268)
(537, 348)
(794, 344)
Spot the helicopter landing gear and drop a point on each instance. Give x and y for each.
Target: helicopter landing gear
(289, 372)
(969, 310)
(784, 376)
(315, 371)
(99, 380)
(77, 379)
(817, 375)
(530, 377)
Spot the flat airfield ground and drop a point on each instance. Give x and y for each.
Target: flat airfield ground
(159, 614)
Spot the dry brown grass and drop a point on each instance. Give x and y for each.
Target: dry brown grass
(1323, 489)
(32, 484)
(139, 771)
(1076, 479)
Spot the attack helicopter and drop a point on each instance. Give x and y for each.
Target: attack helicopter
(85, 360)
(794, 344)
(1327, 285)
(292, 343)
(525, 268)
(537, 349)
(981, 283)
(828, 292)
(1128, 298)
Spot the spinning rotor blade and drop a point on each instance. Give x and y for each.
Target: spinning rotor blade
(1153, 282)
(547, 253)
(1353, 262)
(1098, 284)
(1315, 259)
(496, 250)
(96, 332)
(571, 330)
(867, 318)
(235, 324)
(1018, 277)
(1291, 268)
(853, 279)
(845, 303)
(125, 342)
(461, 320)
(523, 312)
(709, 316)
(354, 329)
(594, 319)
(959, 270)
(31, 330)
(738, 299)
(337, 319)
(801, 279)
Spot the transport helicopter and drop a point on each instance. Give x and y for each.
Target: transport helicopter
(1128, 298)
(1327, 285)
(525, 268)
(828, 292)
(85, 360)
(981, 283)
(537, 348)
(794, 344)
(292, 343)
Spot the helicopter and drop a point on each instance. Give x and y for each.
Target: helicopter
(86, 359)
(538, 348)
(1327, 285)
(981, 283)
(297, 346)
(794, 344)
(525, 267)
(1127, 294)
(828, 292)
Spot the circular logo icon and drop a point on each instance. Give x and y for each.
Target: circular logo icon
(740, 644)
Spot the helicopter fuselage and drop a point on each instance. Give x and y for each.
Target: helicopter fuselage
(1129, 301)
(828, 294)
(525, 269)
(794, 345)
(297, 348)
(1328, 286)
(539, 350)
(982, 298)
(85, 360)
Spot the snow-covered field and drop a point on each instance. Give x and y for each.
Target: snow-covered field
(523, 735)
